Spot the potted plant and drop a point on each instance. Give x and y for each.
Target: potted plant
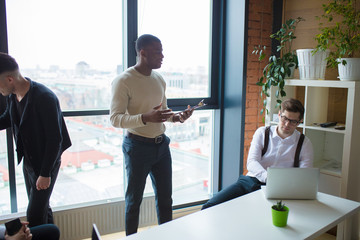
(280, 214)
(342, 35)
(279, 67)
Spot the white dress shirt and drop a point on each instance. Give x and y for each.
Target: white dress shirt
(280, 153)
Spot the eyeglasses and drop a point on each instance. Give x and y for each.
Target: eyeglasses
(291, 121)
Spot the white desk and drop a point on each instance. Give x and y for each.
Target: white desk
(249, 217)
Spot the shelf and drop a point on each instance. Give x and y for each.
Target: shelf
(322, 83)
(329, 167)
(318, 128)
(330, 172)
(327, 129)
(276, 123)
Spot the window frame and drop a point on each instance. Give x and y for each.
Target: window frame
(130, 33)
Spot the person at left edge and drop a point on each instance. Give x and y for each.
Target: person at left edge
(41, 232)
(34, 115)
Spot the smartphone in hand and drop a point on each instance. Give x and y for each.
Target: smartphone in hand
(199, 105)
(13, 226)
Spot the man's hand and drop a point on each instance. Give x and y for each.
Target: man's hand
(43, 183)
(157, 115)
(184, 115)
(23, 234)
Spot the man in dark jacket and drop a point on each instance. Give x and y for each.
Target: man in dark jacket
(34, 115)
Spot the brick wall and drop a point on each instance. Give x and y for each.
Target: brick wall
(260, 26)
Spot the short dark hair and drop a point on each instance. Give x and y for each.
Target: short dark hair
(293, 105)
(144, 41)
(7, 63)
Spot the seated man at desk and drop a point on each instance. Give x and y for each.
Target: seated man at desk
(275, 146)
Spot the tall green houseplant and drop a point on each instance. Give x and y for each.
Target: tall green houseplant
(343, 35)
(278, 68)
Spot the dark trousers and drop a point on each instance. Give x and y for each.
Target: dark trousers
(242, 186)
(38, 210)
(45, 232)
(141, 159)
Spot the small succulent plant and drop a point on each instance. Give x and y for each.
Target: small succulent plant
(279, 206)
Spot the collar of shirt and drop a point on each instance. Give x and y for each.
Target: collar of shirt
(290, 139)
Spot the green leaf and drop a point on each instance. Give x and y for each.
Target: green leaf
(288, 73)
(281, 84)
(274, 58)
(269, 83)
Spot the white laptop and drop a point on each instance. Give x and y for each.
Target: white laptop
(292, 183)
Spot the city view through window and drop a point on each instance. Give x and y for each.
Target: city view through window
(80, 70)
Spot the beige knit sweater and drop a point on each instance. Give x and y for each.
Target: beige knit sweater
(134, 94)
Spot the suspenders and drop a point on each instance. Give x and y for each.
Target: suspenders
(266, 140)
(298, 147)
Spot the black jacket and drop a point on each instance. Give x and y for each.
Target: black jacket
(42, 135)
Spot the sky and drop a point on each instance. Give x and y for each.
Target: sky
(65, 32)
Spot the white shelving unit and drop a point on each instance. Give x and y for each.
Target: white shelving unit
(336, 152)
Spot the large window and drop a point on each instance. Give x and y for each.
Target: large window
(185, 36)
(4, 176)
(191, 150)
(184, 30)
(75, 48)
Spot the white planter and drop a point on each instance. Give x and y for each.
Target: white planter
(312, 66)
(350, 71)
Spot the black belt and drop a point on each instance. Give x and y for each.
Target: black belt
(155, 140)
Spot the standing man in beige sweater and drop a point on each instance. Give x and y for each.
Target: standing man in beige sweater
(139, 104)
